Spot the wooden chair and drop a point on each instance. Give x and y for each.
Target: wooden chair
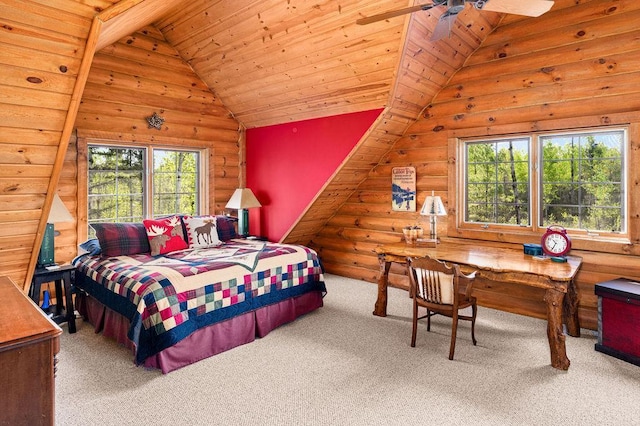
(441, 289)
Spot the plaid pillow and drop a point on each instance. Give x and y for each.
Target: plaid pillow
(119, 239)
(226, 227)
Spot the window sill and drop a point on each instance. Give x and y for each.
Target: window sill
(578, 242)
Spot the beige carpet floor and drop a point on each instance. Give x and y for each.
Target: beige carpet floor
(340, 365)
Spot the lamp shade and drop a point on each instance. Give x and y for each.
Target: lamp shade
(433, 206)
(59, 212)
(243, 198)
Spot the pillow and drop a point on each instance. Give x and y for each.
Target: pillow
(184, 228)
(201, 231)
(226, 227)
(165, 235)
(91, 246)
(119, 239)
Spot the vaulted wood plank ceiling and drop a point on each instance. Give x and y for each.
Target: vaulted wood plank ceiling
(274, 61)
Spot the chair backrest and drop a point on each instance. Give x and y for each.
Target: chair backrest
(436, 281)
(433, 280)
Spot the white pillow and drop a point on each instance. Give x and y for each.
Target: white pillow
(201, 231)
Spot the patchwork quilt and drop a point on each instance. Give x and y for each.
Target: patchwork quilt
(168, 297)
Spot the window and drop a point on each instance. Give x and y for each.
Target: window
(128, 184)
(175, 182)
(576, 180)
(498, 182)
(582, 182)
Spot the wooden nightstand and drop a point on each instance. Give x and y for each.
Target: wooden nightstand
(62, 276)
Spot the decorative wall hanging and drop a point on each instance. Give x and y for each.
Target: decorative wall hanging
(403, 189)
(155, 121)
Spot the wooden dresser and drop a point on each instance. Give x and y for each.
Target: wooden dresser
(29, 342)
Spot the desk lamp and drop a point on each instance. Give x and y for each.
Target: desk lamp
(433, 208)
(243, 199)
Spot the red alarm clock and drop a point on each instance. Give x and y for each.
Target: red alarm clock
(556, 242)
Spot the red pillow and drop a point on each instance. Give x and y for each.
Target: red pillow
(165, 235)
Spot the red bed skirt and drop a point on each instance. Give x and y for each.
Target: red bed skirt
(207, 341)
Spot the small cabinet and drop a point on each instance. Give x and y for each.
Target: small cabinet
(619, 319)
(29, 342)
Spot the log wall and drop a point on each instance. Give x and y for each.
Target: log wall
(43, 81)
(575, 67)
(40, 62)
(129, 81)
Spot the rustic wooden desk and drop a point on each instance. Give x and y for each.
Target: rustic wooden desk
(504, 265)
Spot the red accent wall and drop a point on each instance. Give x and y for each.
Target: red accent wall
(287, 164)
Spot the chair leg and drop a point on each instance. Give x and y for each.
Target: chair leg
(428, 320)
(454, 330)
(474, 309)
(415, 323)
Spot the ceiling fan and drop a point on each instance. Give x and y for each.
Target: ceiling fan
(517, 7)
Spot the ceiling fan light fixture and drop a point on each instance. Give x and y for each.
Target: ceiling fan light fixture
(479, 4)
(532, 8)
(455, 6)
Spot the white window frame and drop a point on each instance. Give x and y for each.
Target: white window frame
(509, 233)
(148, 212)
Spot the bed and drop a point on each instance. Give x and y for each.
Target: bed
(184, 304)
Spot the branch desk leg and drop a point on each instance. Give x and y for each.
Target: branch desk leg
(554, 299)
(570, 310)
(383, 281)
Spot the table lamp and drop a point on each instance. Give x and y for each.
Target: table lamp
(243, 199)
(58, 213)
(433, 208)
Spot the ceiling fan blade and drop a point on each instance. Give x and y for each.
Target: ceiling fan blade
(518, 7)
(443, 27)
(393, 14)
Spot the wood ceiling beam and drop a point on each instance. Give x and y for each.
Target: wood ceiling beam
(69, 123)
(128, 16)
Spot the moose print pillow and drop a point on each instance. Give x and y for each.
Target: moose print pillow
(201, 231)
(165, 235)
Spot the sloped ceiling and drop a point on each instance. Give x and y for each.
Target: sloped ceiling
(274, 61)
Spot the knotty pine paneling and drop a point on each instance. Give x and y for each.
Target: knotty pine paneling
(273, 62)
(39, 64)
(142, 74)
(574, 67)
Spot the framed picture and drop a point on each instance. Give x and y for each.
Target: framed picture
(403, 189)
